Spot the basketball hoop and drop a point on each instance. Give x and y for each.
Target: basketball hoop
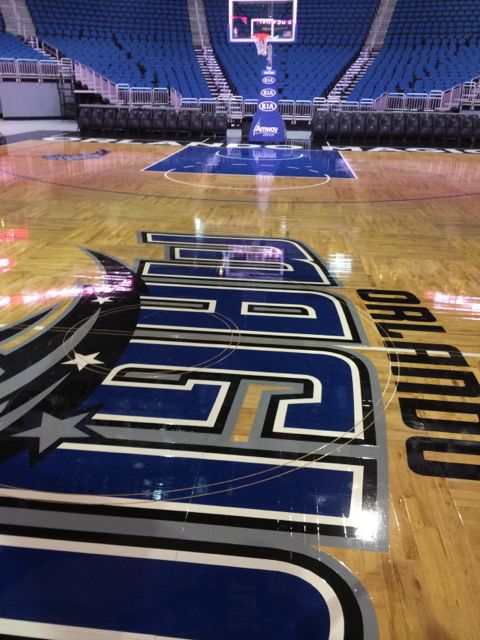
(261, 41)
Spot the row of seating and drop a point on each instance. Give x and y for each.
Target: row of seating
(112, 39)
(429, 45)
(329, 36)
(12, 47)
(150, 121)
(397, 128)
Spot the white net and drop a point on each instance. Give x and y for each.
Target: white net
(261, 42)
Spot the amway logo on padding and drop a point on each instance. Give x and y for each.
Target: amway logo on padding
(266, 105)
(264, 131)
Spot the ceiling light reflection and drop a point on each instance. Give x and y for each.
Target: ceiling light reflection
(123, 284)
(340, 263)
(369, 526)
(449, 302)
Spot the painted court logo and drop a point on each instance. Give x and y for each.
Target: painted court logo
(77, 156)
(209, 327)
(291, 331)
(214, 389)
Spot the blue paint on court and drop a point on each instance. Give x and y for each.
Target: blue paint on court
(253, 161)
(314, 491)
(149, 596)
(246, 311)
(332, 411)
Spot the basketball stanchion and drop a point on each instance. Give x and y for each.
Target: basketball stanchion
(264, 24)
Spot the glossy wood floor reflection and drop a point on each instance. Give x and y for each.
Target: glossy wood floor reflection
(410, 222)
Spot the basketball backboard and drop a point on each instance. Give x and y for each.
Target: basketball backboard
(277, 18)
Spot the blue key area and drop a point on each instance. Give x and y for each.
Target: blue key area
(228, 311)
(252, 161)
(158, 597)
(335, 411)
(319, 492)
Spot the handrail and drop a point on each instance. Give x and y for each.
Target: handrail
(35, 69)
(460, 96)
(96, 82)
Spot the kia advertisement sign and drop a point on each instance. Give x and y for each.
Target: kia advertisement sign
(267, 124)
(267, 106)
(268, 93)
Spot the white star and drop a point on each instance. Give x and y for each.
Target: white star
(102, 300)
(81, 361)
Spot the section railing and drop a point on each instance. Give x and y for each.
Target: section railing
(175, 98)
(144, 96)
(297, 111)
(452, 98)
(460, 97)
(35, 69)
(96, 82)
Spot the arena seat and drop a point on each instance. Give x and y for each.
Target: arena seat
(430, 44)
(221, 124)
(158, 120)
(345, 126)
(398, 128)
(425, 127)
(121, 121)
(331, 125)
(384, 126)
(358, 127)
(318, 125)
(371, 127)
(196, 122)
(476, 129)
(109, 119)
(145, 122)
(466, 129)
(438, 128)
(84, 116)
(142, 43)
(96, 119)
(134, 121)
(13, 47)
(183, 123)
(171, 121)
(411, 128)
(452, 132)
(208, 124)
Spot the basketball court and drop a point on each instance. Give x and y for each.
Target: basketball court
(231, 269)
(238, 388)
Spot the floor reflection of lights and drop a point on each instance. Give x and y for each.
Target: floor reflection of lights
(449, 302)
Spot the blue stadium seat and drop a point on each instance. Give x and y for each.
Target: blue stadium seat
(145, 43)
(429, 45)
(330, 36)
(12, 47)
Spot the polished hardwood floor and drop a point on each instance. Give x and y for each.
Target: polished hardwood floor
(410, 222)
